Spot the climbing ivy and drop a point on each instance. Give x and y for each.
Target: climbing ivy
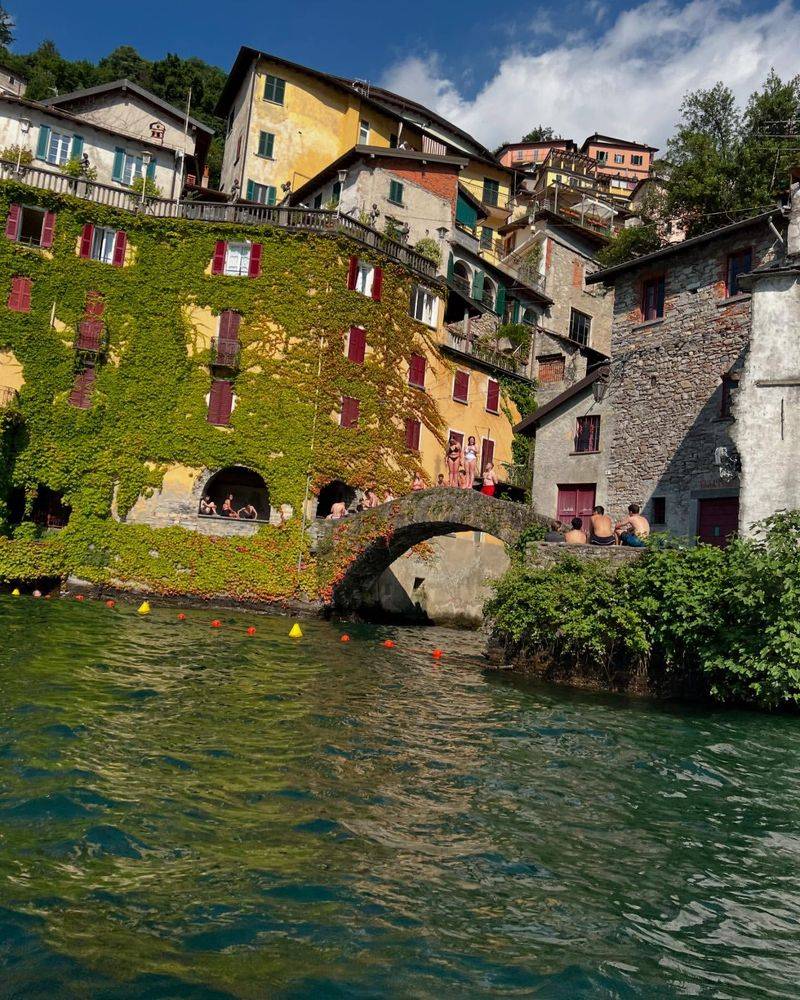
(149, 409)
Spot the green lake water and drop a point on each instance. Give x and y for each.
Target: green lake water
(195, 813)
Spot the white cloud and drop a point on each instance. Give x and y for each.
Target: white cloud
(628, 81)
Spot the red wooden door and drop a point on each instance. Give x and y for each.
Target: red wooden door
(576, 501)
(717, 520)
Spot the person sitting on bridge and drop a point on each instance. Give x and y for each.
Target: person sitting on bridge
(388, 496)
(338, 510)
(419, 483)
(634, 529)
(576, 535)
(601, 528)
(207, 507)
(248, 513)
(440, 480)
(371, 498)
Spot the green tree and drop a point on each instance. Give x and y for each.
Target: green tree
(6, 27)
(633, 241)
(541, 133)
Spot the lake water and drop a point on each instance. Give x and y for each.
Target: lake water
(195, 813)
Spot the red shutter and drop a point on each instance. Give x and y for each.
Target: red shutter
(255, 260)
(416, 371)
(220, 402)
(487, 452)
(461, 387)
(412, 434)
(20, 298)
(352, 273)
(48, 228)
(377, 283)
(81, 395)
(493, 396)
(90, 332)
(218, 261)
(351, 409)
(13, 221)
(120, 242)
(356, 345)
(229, 325)
(86, 240)
(95, 305)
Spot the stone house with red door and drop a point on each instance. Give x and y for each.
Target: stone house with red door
(654, 426)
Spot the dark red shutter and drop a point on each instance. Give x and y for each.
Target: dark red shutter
(229, 325)
(13, 221)
(120, 243)
(87, 236)
(416, 371)
(352, 271)
(377, 283)
(255, 260)
(357, 345)
(90, 332)
(48, 228)
(351, 409)
(20, 298)
(95, 305)
(487, 452)
(412, 434)
(81, 395)
(493, 396)
(218, 261)
(220, 402)
(461, 387)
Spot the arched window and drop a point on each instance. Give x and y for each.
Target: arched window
(245, 491)
(462, 275)
(489, 292)
(336, 491)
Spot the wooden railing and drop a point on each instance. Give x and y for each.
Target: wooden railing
(240, 213)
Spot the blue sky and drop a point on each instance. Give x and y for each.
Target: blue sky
(496, 68)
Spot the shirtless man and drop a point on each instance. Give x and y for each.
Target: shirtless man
(601, 528)
(634, 529)
(576, 535)
(338, 510)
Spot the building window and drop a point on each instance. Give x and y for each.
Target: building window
(363, 133)
(336, 192)
(238, 148)
(492, 396)
(602, 156)
(659, 510)
(264, 194)
(20, 298)
(356, 345)
(653, 298)
(102, 247)
(274, 89)
(350, 412)
(412, 434)
(637, 160)
(58, 148)
(33, 226)
(317, 200)
(395, 192)
(619, 158)
(393, 140)
(237, 259)
(491, 191)
(738, 263)
(365, 278)
(266, 144)
(580, 327)
(587, 434)
(519, 154)
(416, 371)
(461, 387)
(551, 368)
(487, 237)
(730, 383)
(229, 123)
(424, 306)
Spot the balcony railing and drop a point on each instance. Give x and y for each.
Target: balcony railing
(238, 213)
(91, 336)
(8, 397)
(225, 353)
(488, 355)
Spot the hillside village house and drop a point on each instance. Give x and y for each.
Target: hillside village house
(656, 425)
(121, 128)
(625, 163)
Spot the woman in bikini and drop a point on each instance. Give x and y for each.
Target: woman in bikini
(453, 456)
(470, 460)
(228, 510)
(489, 480)
(419, 483)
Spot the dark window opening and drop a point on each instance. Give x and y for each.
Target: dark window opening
(659, 510)
(730, 383)
(238, 493)
(49, 509)
(738, 263)
(580, 327)
(587, 434)
(336, 491)
(418, 581)
(653, 298)
(31, 225)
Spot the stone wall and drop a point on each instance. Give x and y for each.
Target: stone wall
(666, 379)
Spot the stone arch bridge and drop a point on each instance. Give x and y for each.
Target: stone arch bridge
(352, 553)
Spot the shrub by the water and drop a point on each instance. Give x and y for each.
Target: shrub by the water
(722, 622)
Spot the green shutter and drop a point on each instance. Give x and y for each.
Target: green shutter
(450, 266)
(274, 89)
(500, 301)
(515, 311)
(77, 147)
(119, 164)
(465, 213)
(271, 194)
(477, 284)
(43, 143)
(250, 193)
(396, 192)
(266, 144)
(280, 90)
(151, 169)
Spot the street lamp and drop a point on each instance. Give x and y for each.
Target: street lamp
(599, 387)
(146, 158)
(24, 129)
(342, 179)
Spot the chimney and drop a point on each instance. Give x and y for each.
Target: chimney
(793, 236)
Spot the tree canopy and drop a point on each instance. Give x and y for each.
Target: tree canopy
(541, 133)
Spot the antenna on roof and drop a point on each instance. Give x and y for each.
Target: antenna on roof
(361, 87)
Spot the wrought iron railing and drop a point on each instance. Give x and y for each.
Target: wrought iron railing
(225, 353)
(490, 356)
(91, 337)
(240, 213)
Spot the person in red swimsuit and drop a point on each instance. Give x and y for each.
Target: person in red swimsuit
(489, 480)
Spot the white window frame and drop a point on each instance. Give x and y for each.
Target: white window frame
(58, 147)
(132, 167)
(103, 240)
(425, 306)
(619, 157)
(237, 260)
(265, 188)
(365, 277)
(363, 132)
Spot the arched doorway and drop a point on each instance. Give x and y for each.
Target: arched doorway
(489, 292)
(337, 491)
(248, 490)
(462, 276)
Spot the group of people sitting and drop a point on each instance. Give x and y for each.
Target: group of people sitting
(462, 465)
(208, 508)
(632, 530)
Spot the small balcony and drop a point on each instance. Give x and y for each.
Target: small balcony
(501, 360)
(91, 337)
(225, 353)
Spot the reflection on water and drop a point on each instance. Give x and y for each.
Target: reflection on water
(191, 813)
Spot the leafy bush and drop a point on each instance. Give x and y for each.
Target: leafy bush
(27, 531)
(634, 241)
(11, 153)
(79, 170)
(151, 189)
(428, 247)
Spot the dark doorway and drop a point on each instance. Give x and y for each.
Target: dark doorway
(717, 520)
(49, 510)
(335, 492)
(247, 491)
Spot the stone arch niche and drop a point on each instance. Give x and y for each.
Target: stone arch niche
(334, 492)
(246, 487)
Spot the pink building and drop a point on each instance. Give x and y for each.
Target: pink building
(527, 155)
(619, 157)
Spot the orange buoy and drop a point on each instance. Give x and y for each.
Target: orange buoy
(181, 616)
(251, 630)
(345, 638)
(79, 597)
(216, 623)
(388, 643)
(110, 603)
(437, 654)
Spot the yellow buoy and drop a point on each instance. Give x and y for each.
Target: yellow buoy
(295, 632)
(15, 592)
(144, 608)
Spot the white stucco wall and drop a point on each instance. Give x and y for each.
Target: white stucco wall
(231, 167)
